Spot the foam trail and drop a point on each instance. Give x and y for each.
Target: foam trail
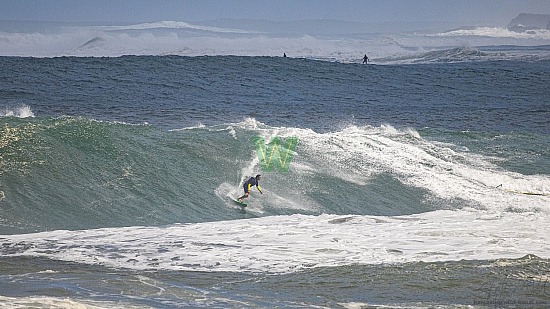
(499, 32)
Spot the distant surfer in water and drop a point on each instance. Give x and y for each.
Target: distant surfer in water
(365, 59)
(253, 181)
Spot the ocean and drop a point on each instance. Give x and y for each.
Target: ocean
(419, 180)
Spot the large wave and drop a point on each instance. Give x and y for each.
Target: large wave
(73, 173)
(186, 39)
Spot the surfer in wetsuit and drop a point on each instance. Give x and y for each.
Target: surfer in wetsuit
(253, 181)
(365, 59)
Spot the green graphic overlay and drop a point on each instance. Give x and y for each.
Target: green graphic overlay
(275, 153)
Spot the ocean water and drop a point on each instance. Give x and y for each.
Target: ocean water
(420, 180)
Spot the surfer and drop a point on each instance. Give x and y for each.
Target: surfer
(253, 181)
(366, 59)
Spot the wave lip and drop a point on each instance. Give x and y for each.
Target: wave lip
(498, 32)
(187, 39)
(170, 25)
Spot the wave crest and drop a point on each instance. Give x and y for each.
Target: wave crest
(122, 175)
(499, 32)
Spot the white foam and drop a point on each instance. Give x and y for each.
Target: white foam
(60, 303)
(282, 244)
(440, 170)
(185, 39)
(198, 126)
(357, 154)
(22, 111)
(499, 32)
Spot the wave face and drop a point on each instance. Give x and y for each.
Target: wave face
(76, 173)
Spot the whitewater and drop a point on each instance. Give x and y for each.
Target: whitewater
(188, 39)
(421, 179)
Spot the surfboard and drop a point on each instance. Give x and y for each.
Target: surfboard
(528, 193)
(524, 192)
(238, 203)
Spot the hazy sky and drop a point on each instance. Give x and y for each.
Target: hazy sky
(466, 12)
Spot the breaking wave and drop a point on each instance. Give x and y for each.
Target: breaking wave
(74, 173)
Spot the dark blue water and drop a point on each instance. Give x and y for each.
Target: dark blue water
(175, 92)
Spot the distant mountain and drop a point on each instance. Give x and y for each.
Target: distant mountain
(526, 21)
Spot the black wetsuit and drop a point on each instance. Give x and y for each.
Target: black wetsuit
(249, 183)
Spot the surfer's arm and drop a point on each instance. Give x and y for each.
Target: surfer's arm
(258, 187)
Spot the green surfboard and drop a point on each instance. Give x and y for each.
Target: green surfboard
(239, 203)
